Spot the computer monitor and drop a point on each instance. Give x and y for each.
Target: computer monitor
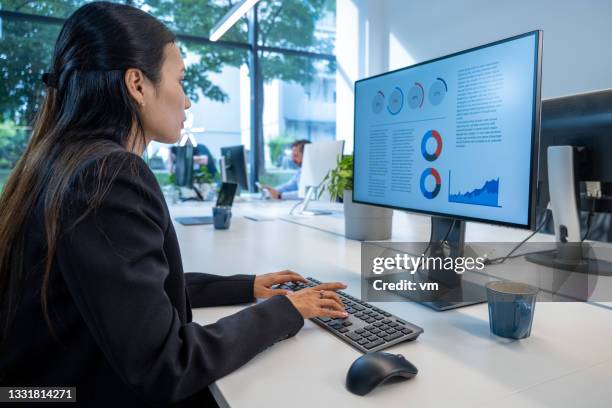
(319, 158)
(581, 205)
(233, 164)
(584, 121)
(455, 138)
(183, 165)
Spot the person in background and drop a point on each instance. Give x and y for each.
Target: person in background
(289, 190)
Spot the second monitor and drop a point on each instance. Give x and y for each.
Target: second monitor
(233, 164)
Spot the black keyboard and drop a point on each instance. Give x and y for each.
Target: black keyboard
(367, 328)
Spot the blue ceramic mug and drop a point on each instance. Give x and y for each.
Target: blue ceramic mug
(222, 217)
(511, 308)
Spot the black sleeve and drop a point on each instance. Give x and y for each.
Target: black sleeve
(212, 290)
(114, 266)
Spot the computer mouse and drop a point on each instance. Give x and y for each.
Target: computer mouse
(373, 369)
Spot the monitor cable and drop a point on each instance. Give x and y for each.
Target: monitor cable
(500, 260)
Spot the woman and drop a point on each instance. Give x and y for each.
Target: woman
(91, 284)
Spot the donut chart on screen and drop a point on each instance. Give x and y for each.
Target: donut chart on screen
(378, 102)
(430, 171)
(416, 96)
(438, 91)
(436, 136)
(396, 101)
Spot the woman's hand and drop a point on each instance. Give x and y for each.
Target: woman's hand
(319, 301)
(263, 283)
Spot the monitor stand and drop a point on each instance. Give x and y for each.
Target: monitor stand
(564, 166)
(310, 193)
(447, 240)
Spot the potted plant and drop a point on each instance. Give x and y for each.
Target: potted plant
(361, 222)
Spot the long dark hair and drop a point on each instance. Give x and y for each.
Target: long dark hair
(87, 114)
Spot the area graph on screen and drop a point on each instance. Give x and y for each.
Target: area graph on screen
(486, 194)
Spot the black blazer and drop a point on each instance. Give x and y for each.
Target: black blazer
(119, 307)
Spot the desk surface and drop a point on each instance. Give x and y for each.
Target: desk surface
(566, 362)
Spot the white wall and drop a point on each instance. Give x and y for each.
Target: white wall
(577, 54)
(361, 51)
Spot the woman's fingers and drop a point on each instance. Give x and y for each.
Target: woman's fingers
(272, 292)
(330, 304)
(286, 276)
(328, 294)
(291, 276)
(330, 286)
(325, 312)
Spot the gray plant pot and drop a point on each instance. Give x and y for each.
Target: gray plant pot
(365, 222)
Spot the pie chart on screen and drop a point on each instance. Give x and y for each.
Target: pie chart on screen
(396, 101)
(430, 183)
(431, 145)
(416, 95)
(378, 102)
(438, 91)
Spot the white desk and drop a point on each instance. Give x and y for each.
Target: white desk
(567, 361)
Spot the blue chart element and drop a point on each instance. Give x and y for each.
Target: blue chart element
(430, 171)
(396, 101)
(487, 195)
(436, 136)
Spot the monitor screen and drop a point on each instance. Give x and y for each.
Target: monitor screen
(455, 136)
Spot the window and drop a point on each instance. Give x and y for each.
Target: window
(217, 83)
(194, 18)
(47, 8)
(307, 25)
(298, 103)
(21, 88)
(296, 81)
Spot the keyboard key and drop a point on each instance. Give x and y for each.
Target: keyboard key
(369, 327)
(370, 320)
(350, 310)
(400, 321)
(360, 331)
(358, 307)
(377, 331)
(373, 344)
(382, 334)
(377, 324)
(358, 314)
(393, 324)
(367, 305)
(378, 317)
(343, 330)
(406, 331)
(393, 336)
(363, 341)
(387, 314)
(386, 321)
(325, 319)
(353, 336)
(372, 337)
(391, 331)
(347, 323)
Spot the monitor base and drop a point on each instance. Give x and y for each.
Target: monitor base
(315, 212)
(553, 259)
